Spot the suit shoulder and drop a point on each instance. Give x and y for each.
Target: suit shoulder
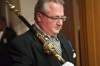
(24, 38)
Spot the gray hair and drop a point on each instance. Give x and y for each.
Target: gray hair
(42, 5)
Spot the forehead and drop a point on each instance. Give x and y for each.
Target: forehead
(55, 8)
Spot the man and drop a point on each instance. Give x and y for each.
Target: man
(6, 34)
(2, 27)
(28, 49)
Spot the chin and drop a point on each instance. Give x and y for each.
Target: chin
(56, 32)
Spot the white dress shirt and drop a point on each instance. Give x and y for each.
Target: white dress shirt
(1, 34)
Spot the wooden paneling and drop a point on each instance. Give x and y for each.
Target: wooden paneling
(97, 29)
(71, 26)
(90, 32)
(2, 8)
(83, 34)
(76, 25)
(90, 23)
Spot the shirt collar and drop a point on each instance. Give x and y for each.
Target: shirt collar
(38, 27)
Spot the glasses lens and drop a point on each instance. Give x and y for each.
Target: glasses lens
(63, 18)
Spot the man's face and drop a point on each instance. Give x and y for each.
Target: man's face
(2, 25)
(50, 22)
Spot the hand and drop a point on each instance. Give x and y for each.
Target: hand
(68, 64)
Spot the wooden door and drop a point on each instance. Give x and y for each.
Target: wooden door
(71, 27)
(89, 32)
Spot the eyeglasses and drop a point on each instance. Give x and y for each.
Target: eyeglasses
(63, 18)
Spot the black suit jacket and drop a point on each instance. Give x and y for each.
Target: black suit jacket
(8, 35)
(27, 50)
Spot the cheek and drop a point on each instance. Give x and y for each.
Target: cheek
(49, 24)
(52, 26)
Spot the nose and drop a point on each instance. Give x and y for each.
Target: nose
(59, 22)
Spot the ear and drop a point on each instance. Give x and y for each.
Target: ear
(39, 17)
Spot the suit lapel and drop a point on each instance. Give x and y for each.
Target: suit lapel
(36, 44)
(63, 46)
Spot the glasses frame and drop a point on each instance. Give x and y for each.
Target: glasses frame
(55, 17)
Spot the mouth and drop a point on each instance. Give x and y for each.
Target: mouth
(58, 28)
